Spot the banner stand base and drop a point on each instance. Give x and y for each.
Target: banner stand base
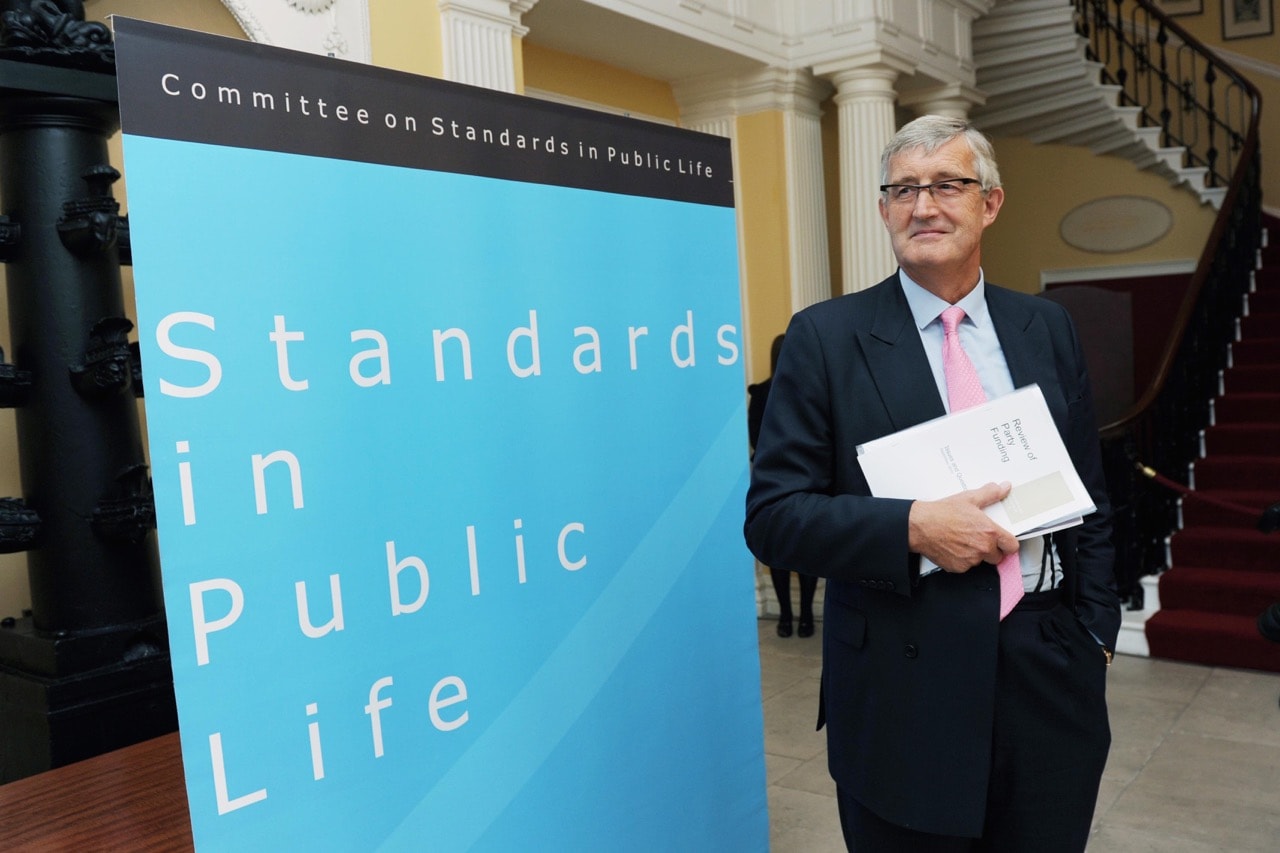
(60, 702)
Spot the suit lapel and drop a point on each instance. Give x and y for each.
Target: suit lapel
(896, 358)
(1028, 350)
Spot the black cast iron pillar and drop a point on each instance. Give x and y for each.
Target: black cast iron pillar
(87, 670)
(78, 433)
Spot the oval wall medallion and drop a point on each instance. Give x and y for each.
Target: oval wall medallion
(1119, 223)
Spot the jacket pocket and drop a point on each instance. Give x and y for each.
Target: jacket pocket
(847, 626)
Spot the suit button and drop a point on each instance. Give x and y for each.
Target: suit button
(910, 650)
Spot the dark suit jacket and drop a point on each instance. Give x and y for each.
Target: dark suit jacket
(909, 664)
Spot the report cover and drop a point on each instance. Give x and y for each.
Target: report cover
(1009, 439)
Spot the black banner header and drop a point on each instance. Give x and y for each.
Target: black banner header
(194, 87)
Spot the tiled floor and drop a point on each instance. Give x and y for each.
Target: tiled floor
(1194, 766)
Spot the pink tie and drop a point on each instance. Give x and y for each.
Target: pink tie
(964, 390)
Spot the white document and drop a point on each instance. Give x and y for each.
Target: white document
(1010, 439)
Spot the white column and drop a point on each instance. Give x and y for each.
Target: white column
(810, 262)
(954, 100)
(865, 100)
(478, 38)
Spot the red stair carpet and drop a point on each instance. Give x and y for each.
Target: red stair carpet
(1223, 572)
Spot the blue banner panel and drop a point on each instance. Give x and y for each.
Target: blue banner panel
(449, 466)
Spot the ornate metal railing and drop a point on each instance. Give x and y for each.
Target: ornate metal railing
(1199, 102)
(1202, 104)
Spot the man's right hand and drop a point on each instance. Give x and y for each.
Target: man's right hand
(956, 534)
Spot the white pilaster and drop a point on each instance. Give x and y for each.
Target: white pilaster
(810, 262)
(865, 100)
(478, 41)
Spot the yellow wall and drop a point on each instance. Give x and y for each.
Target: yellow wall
(588, 80)
(208, 16)
(1045, 182)
(762, 214)
(405, 35)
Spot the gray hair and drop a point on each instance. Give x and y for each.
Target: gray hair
(931, 133)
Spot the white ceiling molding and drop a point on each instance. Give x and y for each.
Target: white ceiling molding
(338, 28)
(933, 37)
(806, 32)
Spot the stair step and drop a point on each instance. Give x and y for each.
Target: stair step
(1200, 510)
(1212, 195)
(1261, 377)
(1029, 56)
(1265, 302)
(1043, 82)
(1268, 278)
(1075, 129)
(1240, 408)
(1020, 24)
(1238, 472)
(1215, 639)
(1243, 593)
(1076, 99)
(1260, 325)
(1256, 350)
(1170, 159)
(1243, 439)
(1238, 548)
(1193, 176)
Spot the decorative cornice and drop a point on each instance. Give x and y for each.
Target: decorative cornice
(248, 21)
(865, 60)
(330, 27)
(801, 33)
(783, 89)
(501, 13)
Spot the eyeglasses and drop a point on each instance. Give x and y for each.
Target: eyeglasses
(948, 190)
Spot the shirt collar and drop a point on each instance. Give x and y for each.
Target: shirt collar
(926, 307)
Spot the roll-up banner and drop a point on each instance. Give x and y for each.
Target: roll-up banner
(444, 394)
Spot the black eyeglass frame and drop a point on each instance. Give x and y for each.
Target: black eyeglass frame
(964, 182)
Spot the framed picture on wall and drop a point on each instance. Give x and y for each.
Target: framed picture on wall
(1178, 8)
(1246, 18)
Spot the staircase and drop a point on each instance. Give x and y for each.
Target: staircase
(1063, 71)
(1034, 68)
(1223, 571)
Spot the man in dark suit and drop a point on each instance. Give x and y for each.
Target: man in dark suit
(948, 727)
